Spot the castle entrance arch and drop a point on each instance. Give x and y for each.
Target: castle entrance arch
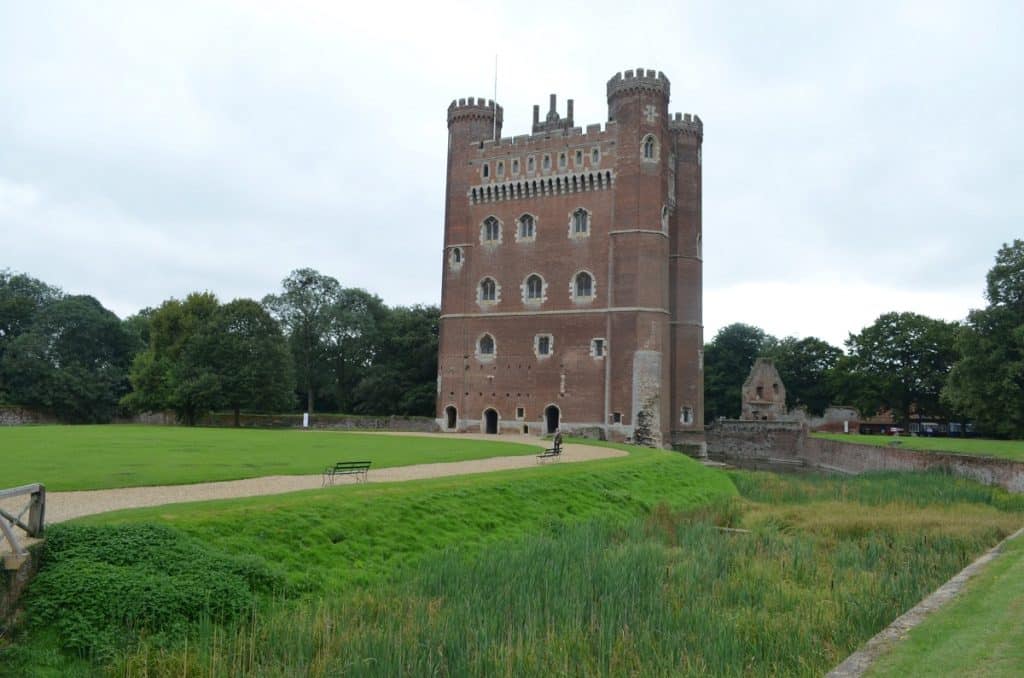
(490, 421)
(551, 417)
(451, 417)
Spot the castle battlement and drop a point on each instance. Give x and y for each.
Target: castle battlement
(474, 108)
(574, 135)
(686, 123)
(629, 81)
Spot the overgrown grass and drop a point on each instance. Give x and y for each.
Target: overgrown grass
(616, 567)
(665, 594)
(978, 634)
(1005, 449)
(95, 457)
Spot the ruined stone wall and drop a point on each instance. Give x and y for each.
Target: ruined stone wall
(18, 416)
(788, 443)
(343, 422)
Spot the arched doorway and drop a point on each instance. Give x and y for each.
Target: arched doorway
(451, 416)
(551, 417)
(490, 421)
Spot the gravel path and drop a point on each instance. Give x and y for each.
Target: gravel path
(61, 506)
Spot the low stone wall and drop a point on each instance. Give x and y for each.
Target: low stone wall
(14, 582)
(788, 443)
(342, 422)
(18, 416)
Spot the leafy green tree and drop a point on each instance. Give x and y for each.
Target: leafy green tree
(352, 341)
(805, 366)
(176, 372)
(72, 360)
(403, 377)
(304, 309)
(987, 383)
(22, 297)
(899, 361)
(727, 362)
(247, 351)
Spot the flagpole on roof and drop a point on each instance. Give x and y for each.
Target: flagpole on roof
(494, 130)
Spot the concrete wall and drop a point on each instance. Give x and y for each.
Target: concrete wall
(788, 443)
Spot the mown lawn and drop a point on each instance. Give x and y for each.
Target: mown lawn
(97, 457)
(980, 633)
(1006, 449)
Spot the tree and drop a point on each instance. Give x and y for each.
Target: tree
(21, 299)
(987, 383)
(352, 341)
(176, 372)
(901, 362)
(72, 360)
(727, 362)
(805, 366)
(304, 310)
(403, 377)
(248, 353)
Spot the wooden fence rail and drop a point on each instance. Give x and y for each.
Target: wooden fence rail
(32, 525)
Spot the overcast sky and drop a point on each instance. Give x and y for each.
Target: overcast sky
(859, 158)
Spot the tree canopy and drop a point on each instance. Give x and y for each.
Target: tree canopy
(987, 383)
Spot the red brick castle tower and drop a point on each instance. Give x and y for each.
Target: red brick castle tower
(571, 293)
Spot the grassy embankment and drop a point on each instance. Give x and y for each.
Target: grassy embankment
(1005, 449)
(97, 457)
(978, 634)
(603, 568)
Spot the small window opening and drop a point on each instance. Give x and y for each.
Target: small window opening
(547, 162)
(515, 167)
(491, 229)
(579, 221)
(561, 160)
(579, 158)
(529, 164)
(526, 226)
(487, 170)
(584, 285)
(487, 345)
(501, 169)
(649, 148)
(488, 289)
(686, 416)
(616, 417)
(598, 346)
(534, 287)
(595, 156)
(520, 413)
(457, 255)
(543, 345)
(760, 392)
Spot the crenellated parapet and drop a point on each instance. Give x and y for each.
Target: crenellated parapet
(688, 125)
(641, 79)
(474, 108)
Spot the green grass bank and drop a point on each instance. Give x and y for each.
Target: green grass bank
(1005, 449)
(98, 457)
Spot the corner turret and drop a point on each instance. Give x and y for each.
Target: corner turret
(477, 119)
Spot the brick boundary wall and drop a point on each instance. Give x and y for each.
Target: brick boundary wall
(782, 442)
(334, 422)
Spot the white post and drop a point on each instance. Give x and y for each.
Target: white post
(846, 425)
(305, 420)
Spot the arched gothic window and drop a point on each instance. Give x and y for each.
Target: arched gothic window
(580, 222)
(457, 255)
(534, 287)
(488, 289)
(650, 147)
(485, 346)
(526, 226)
(584, 284)
(492, 230)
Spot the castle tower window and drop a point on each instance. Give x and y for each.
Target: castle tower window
(562, 161)
(583, 285)
(686, 416)
(650, 148)
(534, 287)
(485, 345)
(579, 224)
(597, 348)
(488, 290)
(547, 162)
(501, 169)
(456, 257)
(490, 231)
(529, 164)
(486, 170)
(579, 159)
(515, 166)
(527, 227)
(595, 156)
(543, 345)
(664, 218)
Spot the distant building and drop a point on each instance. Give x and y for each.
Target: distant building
(763, 393)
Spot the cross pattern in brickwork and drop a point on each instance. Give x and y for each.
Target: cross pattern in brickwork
(651, 113)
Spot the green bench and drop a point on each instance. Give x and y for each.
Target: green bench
(359, 469)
